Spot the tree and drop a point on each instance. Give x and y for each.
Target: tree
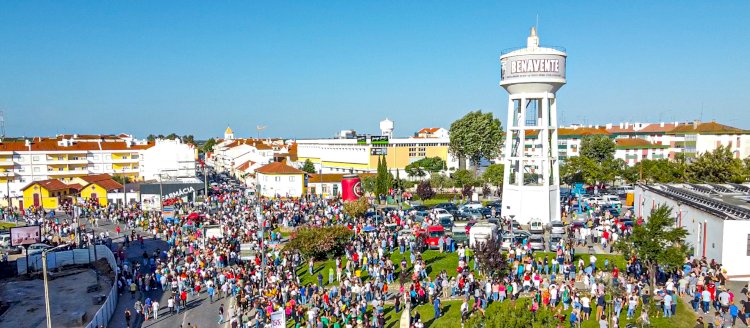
(718, 166)
(467, 191)
(356, 208)
(658, 171)
(491, 258)
(308, 167)
(440, 181)
(320, 242)
(656, 242)
(424, 190)
(384, 180)
(463, 177)
(208, 146)
(172, 136)
(475, 136)
(599, 148)
(151, 138)
(494, 174)
(368, 183)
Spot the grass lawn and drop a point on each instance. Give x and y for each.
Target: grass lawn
(285, 233)
(435, 261)
(614, 259)
(6, 225)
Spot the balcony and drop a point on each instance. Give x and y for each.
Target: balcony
(68, 172)
(6, 163)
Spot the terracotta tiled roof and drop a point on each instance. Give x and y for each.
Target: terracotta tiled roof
(49, 184)
(96, 177)
(567, 132)
(278, 168)
(76, 186)
(52, 145)
(707, 128)
(657, 128)
(244, 166)
(428, 130)
(636, 143)
(107, 185)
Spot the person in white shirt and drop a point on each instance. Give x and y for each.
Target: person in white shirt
(155, 307)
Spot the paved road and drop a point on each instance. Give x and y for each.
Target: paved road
(199, 313)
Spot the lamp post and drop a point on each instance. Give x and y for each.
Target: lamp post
(262, 231)
(46, 286)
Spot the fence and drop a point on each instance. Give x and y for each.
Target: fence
(80, 256)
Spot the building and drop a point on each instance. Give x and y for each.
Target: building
(433, 133)
(167, 157)
(66, 157)
(327, 184)
(98, 187)
(50, 194)
(716, 217)
(278, 179)
(638, 141)
(531, 184)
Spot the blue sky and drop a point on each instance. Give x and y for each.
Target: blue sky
(311, 68)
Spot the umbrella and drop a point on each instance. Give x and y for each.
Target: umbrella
(193, 216)
(368, 229)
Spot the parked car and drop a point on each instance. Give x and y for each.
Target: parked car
(507, 241)
(460, 232)
(420, 216)
(536, 242)
(450, 207)
(5, 240)
(486, 212)
(37, 248)
(554, 241)
(446, 223)
(420, 208)
(472, 214)
(471, 205)
(612, 200)
(482, 232)
(441, 213)
(520, 235)
(433, 236)
(557, 227)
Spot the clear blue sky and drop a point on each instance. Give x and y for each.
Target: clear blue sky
(311, 68)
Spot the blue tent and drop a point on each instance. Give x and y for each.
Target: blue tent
(368, 229)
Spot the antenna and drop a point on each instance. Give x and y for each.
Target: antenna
(260, 128)
(2, 125)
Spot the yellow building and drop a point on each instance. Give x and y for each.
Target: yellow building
(361, 156)
(97, 188)
(47, 193)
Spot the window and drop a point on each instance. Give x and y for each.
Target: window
(277, 179)
(291, 179)
(134, 156)
(748, 244)
(35, 158)
(36, 169)
(96, 157)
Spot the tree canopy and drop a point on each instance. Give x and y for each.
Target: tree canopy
(475, 136)
(717, 166)
(657, 241)
(494, 174)
(308, 166)
(599, 148)
(427, 164)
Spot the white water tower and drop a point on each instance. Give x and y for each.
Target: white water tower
(532, 75)
(386, 128)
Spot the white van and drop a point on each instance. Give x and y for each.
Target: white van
(482, 232)
(612, 200)
(536, 226)
(4, 240)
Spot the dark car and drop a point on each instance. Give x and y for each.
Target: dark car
(450, 207)
(420, 208)
(447, 223)
(486, 212)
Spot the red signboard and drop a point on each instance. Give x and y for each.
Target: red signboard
(351, 188)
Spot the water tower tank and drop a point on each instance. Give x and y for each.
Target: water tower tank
(533, 68)
(386, 127)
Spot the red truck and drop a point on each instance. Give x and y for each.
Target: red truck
(434, 233)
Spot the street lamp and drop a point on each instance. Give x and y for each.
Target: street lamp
(262, 232)
(46, 287)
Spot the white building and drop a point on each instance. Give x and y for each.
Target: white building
(279, 180)
(716, 217)
(167, 157)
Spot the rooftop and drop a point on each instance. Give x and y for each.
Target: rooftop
(278, 168)
(726, 201)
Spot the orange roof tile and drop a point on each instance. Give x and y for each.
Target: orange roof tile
(107, 185)
(278, 168)
(96, 177)
(708, 127)
(49, 184)
(52, 145)
(428, 130)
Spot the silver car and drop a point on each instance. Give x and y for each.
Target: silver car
(557, 227)
(536, 242)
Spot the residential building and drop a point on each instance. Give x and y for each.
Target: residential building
(98, 187)
(433, 133)
(66, 157)
(278, 179)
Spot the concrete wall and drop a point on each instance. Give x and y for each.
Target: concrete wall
(735, 256)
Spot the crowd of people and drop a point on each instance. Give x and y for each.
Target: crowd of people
(203, 258)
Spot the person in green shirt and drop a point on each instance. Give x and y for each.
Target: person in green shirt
(330, 276)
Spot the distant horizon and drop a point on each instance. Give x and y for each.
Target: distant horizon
(302, 69)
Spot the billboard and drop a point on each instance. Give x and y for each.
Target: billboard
(379, 140)
(150, 202)
(378, 151)
(278, 319)
(538, 65)
(351, 188)
(361, 140)
(247, 253)
(211, 231)
(20, 236)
